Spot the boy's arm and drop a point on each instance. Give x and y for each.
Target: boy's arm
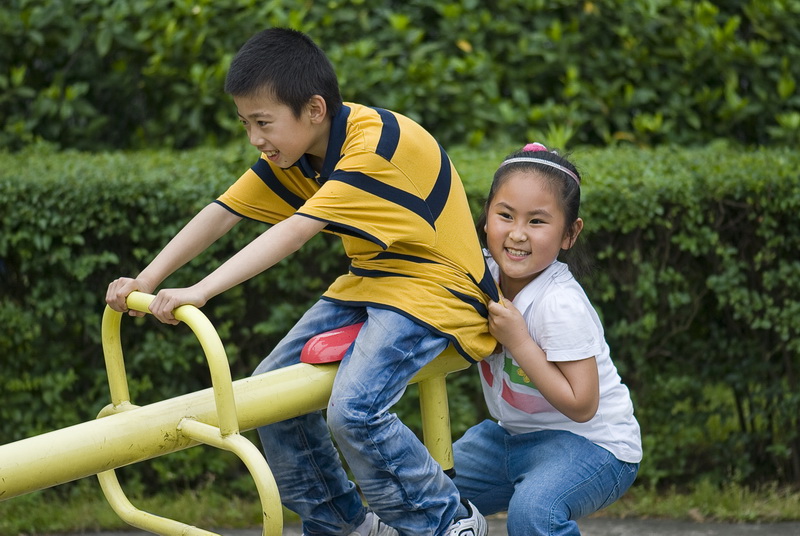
(272, 246)
(203, 230)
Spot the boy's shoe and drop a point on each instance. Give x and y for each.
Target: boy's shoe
(376, 527)
(472, 525)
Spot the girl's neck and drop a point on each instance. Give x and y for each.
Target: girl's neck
(510, 289)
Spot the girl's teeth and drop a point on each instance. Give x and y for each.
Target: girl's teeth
(517, 253)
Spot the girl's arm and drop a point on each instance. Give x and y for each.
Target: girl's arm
(572, 387)
(203, 230)
(272, 246)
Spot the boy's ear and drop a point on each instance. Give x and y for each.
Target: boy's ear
(317, 109)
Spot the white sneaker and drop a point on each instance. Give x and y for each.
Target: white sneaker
(376, 527)
(472, 525)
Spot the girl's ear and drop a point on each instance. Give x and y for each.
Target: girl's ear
(317, 109)
(572, 234)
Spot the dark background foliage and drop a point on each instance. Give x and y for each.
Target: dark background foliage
(100, 74)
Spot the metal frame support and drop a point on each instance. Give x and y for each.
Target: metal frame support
(224, 434)
(124, 433)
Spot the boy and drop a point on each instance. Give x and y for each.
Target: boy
(418, 279)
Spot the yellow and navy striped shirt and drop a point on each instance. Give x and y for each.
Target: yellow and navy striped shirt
(389, 190)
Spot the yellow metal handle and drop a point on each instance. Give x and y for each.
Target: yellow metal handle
(209, 340)
(224, 436)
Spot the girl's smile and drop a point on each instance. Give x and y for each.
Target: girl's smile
(517, 253)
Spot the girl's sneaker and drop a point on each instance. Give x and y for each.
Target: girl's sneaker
(472, 525)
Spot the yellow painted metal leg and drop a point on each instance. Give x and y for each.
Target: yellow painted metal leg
(139, 519)
(436, 420)
(272, 513)
(224, 436)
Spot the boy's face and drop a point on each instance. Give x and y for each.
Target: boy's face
(275, 131)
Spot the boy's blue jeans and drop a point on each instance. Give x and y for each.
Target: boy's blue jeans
(396, 474)
(545, 480)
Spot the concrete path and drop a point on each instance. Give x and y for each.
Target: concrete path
(611, 527)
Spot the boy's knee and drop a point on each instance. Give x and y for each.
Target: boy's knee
(352, 420)
(344, 418)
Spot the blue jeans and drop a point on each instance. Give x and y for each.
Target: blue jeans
(545, 480)
(396, 474)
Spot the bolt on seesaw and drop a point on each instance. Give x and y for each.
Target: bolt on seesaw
(124, 434)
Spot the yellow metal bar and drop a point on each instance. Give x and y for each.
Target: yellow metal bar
(112, 351)
(209, 341)
(228, 425)
(139, 519)
(146, 432)
(436, 420)
(272, 513)
(265, 483)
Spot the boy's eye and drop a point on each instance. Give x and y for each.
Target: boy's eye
(262, 124)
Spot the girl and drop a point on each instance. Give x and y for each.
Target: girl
(565, 443)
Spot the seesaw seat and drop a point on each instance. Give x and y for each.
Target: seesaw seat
(330, 347)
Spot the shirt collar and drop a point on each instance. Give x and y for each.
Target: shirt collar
(334, 151)
(335, 142)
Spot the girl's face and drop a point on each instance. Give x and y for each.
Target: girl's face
(525, 229)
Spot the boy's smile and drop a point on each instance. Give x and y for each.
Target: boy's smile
(282, 137)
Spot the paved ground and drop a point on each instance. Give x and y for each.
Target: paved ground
(597, 527)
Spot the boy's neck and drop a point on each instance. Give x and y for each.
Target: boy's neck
(316, 162)
(318, 151)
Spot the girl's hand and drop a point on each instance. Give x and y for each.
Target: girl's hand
(572, 387)
(507, 325)
(167, 300)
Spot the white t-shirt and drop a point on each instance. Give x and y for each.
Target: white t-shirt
(563, 322)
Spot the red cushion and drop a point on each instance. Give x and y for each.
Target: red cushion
(329, 347)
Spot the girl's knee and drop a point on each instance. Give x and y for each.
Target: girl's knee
(530, 524)
(540, 518)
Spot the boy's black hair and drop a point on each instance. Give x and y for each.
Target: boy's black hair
(287, 65)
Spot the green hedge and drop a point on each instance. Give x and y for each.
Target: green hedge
(696, 277)
(148, 73)
(699, 284)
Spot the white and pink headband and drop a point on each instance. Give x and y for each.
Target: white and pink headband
(532, 148)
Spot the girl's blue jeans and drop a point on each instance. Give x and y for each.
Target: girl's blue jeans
(544, 480)
(396, 474)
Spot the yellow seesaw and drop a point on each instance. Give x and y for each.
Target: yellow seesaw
(124, 433)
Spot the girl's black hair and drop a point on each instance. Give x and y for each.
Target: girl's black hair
(566, 188)
(287, 65)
